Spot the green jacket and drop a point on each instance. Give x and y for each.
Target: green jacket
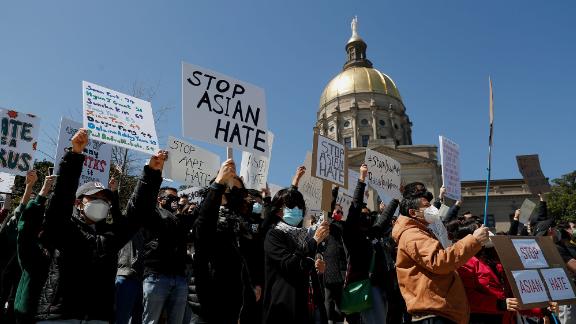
(33, 261)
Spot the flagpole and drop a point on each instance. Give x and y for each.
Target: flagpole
(489, 151)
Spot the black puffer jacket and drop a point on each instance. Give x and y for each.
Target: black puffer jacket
(80, 282)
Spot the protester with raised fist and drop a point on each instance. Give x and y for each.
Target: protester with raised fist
(426, 270)
(84, 255)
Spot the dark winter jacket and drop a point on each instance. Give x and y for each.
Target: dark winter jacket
(130, 257)
(84, 258)
(290, 275)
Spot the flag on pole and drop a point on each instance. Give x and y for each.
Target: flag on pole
(490, 140)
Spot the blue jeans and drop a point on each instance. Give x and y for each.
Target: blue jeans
(379, 310)
(128, 300)
(164, 293)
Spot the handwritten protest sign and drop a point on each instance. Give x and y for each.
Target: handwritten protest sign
(194, 194)
(345, 201)
(520, 256)
(310, 187)
(190, 164)
(530, 253)
(18, 138)
(221, 110)
(254, 167)
(97, 154)
(450, 160)
(6, 182)
(530, 285)
(529, 166)
(118, 119)
(329, 161)
(383, 174)
(558, 283)
(353, 177)
(526, 211)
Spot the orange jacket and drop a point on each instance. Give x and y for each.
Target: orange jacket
(427, 272)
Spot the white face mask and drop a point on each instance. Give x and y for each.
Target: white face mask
(432, 215)
(96, 210)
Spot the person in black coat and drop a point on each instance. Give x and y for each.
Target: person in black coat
(292, 291)
(84, 252)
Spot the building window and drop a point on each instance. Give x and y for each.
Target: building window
(331, 129)
(365, 139)
(348, 142)
(347, 124)
(397, 142)
(364, 122)
(382, 123)
(490, 222)
(382, 137)
(402, 126)
(396, 126)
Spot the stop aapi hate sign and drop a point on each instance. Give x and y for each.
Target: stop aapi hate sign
(18, 140)
(224, 111)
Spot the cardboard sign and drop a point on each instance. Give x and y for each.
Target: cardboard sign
(190, 164)
(194, 194)
(6, 182)
(97, 154)
(529, 166)
(18, 140)
(526, 211)
(530, 253)
(450, 160)
(310, 187)
(224, 111)
(345, 201)
(524, 285)
(254, 168)
(383, 174)
(118, 119)
(558, 283)
(329, 161)
(353, 177)
(530, 285)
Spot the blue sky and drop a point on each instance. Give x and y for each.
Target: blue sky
(439, 53)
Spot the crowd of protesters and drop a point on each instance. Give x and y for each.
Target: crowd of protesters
(72, 254)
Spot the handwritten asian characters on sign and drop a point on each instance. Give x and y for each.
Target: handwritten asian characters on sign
(530, 286)
(558, 283)
(530, 253)
(119, 119)
(330, 161)
(18, 140)
(190, 164)
(254, 167)
(97, 154)
(450, 160)
(221, 110)
(383, 173)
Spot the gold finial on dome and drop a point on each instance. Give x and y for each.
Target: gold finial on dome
(354, 25)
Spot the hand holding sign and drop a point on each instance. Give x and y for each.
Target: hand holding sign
(481, 234)
(47, 186)
(363, 172)
(79, 141)
(157, 160)
(299, 173)
(227, 172)
(31, 178)
(512, 304)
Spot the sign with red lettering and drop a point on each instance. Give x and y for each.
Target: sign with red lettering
(530, 253)
(530, 285)
(97, 155)
(558, 283)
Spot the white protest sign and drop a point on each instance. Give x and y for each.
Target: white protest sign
(439, 230)
(345, 201)
(526, 211)
(530, 253)
(118, 119)
(254, 167)
(18, 140)
(274, 188)
(190, 164)
(97, 154)
(450, 160)
(558, 283)
(310, 187)
(330, 163)
(6, 182)
(194, 194)
(530, 286)
(353, 177)
(221, 110)
(383, 174)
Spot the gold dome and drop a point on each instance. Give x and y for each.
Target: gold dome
(358, 80)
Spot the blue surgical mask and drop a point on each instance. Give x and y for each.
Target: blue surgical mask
(293, 216)
(256, 208)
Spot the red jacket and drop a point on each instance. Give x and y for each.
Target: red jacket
(484, 287)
